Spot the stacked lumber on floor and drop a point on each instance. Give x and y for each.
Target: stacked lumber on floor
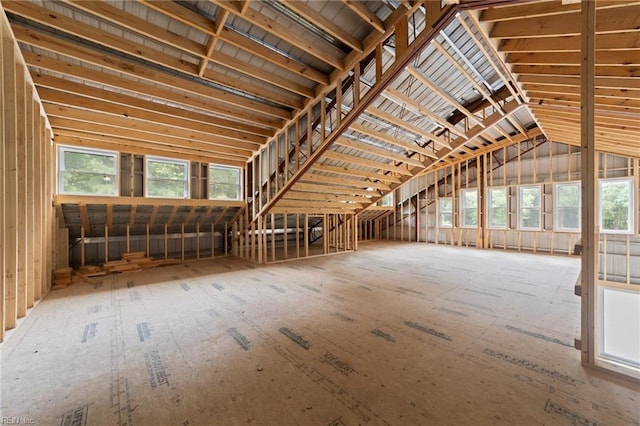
(134, 261)
(62, 277)
(91, 271)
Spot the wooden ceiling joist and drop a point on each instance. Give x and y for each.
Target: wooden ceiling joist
(162, 123)
(403, 98)
(362, 11)
(624, 72)
(348, 171)
(325, 24)
(54, 44)
(380, 152)
(574, 81)
(335, 189)
(541, 9)
(319, 203)
(612, 42)
(332, 155)
(368, 131)
(622, 58)
(181, 117)
(397, 121)
(315, 196)
(255, 124)
(140, 26)
(95, 122)
(303, 40)
(610, 20)
(314, 177)
(207, 26)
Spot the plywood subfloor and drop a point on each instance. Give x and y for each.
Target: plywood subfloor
(396, 333)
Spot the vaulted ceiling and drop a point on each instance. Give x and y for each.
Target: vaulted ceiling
(332, 103)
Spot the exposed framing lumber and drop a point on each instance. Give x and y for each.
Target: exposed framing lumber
(132, 69)
(352, 172)
(142, 201)
(304, 41)
(203, 24)
(590, 240)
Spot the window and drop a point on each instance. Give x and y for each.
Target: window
(469, 208)
(529, 203)
(87, 171)
(497, 208)
(387, 200)
(615, 202)
(445, 212)
(619, 319)
(224, 183)
(167, 178)
(567, 206)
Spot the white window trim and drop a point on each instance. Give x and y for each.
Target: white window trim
(240, 181)
(185, 163)
(462, 208)
(539, 207)
(439, 203)
(632, 206)
(489, 210)
(556, 204)
(60, 168)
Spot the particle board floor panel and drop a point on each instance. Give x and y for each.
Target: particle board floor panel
(396, 333)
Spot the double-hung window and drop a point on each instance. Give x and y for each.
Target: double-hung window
(530, 207)
(225, 182)
(167, 178)
(445, 212)
(469, 208)
(567, 206)
(83, 171)
(497, 207)
(615, 205)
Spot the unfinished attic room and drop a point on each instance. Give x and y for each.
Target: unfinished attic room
(291, 212)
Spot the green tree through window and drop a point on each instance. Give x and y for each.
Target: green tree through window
(167, 178)
(529, 204)
(87, 172)
(469, 208)
(567, 206)
(224, 183)
(497, 201)
(445, 212)
(616, 203)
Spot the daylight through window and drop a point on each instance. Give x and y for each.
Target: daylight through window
(224, 182)
(567, 206)
(445, 212)
(167, 178)
(87, 171)
(469, 208)
(529, 206)
(615, 205)
(497, 208)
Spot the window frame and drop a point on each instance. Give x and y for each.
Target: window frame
(556, 206)
(240, 185)
(386, 200)
(463, 208)
(631, 211)
(441, 212)
(539, 207)
(187, 180)
(62, 149)
(490, 210)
